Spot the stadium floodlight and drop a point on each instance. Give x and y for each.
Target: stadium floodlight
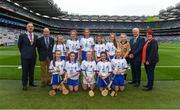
(54, 17)
(46, 16)
(31, 11)
(38, 14)
(16, 4)
(25, 8)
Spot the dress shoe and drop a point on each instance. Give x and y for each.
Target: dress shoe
(32, 85)
(147, 89)
(145, 86)
(131, 82)
(24, 88)
(136, 85)
(43, 84)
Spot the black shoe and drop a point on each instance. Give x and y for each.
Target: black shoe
(147, 89)
(32, 85)
(145, 86)
(24, 88)
(131, 82)
(136, 85)
(43, 85)
(49, 84)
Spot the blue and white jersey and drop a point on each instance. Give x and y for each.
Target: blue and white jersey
(61, 47)
(104, 67)
(98, 48)
(110, 48)
(72, 69)
(89, 67)
(73, 45)
(59, 65)
(87, 44)
(118, 64)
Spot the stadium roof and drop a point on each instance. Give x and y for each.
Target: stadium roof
(43, 7)
(47, 8)
(170, 13)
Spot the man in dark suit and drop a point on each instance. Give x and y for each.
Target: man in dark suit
(27, 48)
(45, 46)
(136, 44)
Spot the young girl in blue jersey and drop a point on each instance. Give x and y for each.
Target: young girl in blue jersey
(111, 46)
(86, 43)
(104, 70)
(60, 46)
(119, 66)
(88, 68)
(72, 68)
(56, 69)
(99, 47)
(73, 45)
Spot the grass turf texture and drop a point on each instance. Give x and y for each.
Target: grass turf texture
(165, 95)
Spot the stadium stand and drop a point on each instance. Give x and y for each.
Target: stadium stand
(15, 14)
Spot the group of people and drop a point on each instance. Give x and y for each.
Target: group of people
(97, 61)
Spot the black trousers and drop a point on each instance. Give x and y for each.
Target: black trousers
(136, 72)
(150, 74)
(28, 66)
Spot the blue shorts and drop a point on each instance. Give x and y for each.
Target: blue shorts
(63, 58)
(118, 80)
(83, 55)
(100, 82)
(55, 79)
(71, 82)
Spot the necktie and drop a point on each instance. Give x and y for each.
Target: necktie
(47, 42)
(30, 37)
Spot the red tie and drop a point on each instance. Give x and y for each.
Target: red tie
(30, 36)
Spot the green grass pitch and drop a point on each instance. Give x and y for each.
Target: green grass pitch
(165, 94)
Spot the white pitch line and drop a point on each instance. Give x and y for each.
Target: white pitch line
(16, 66)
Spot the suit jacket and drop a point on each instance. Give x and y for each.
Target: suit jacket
(136, 49)
(152, 55)
(27, 50)
(43, 51)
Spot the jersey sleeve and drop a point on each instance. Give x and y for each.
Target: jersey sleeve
(98, 67)
(67, 44)
(95, 67)
(110, 67)
(83, 66)
(78, 68)
(66, 66)
(92, 40)
(106, 47)
(51, 65)
(54, 48)
(81, 42)
(125, 64)
(78, 44)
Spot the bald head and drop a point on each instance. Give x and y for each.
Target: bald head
(30, 27)
(135, 32)
(46, 32)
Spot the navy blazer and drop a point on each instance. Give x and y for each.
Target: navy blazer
(152, 55)
(136, 49)
(43, 51)
(27, 50)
